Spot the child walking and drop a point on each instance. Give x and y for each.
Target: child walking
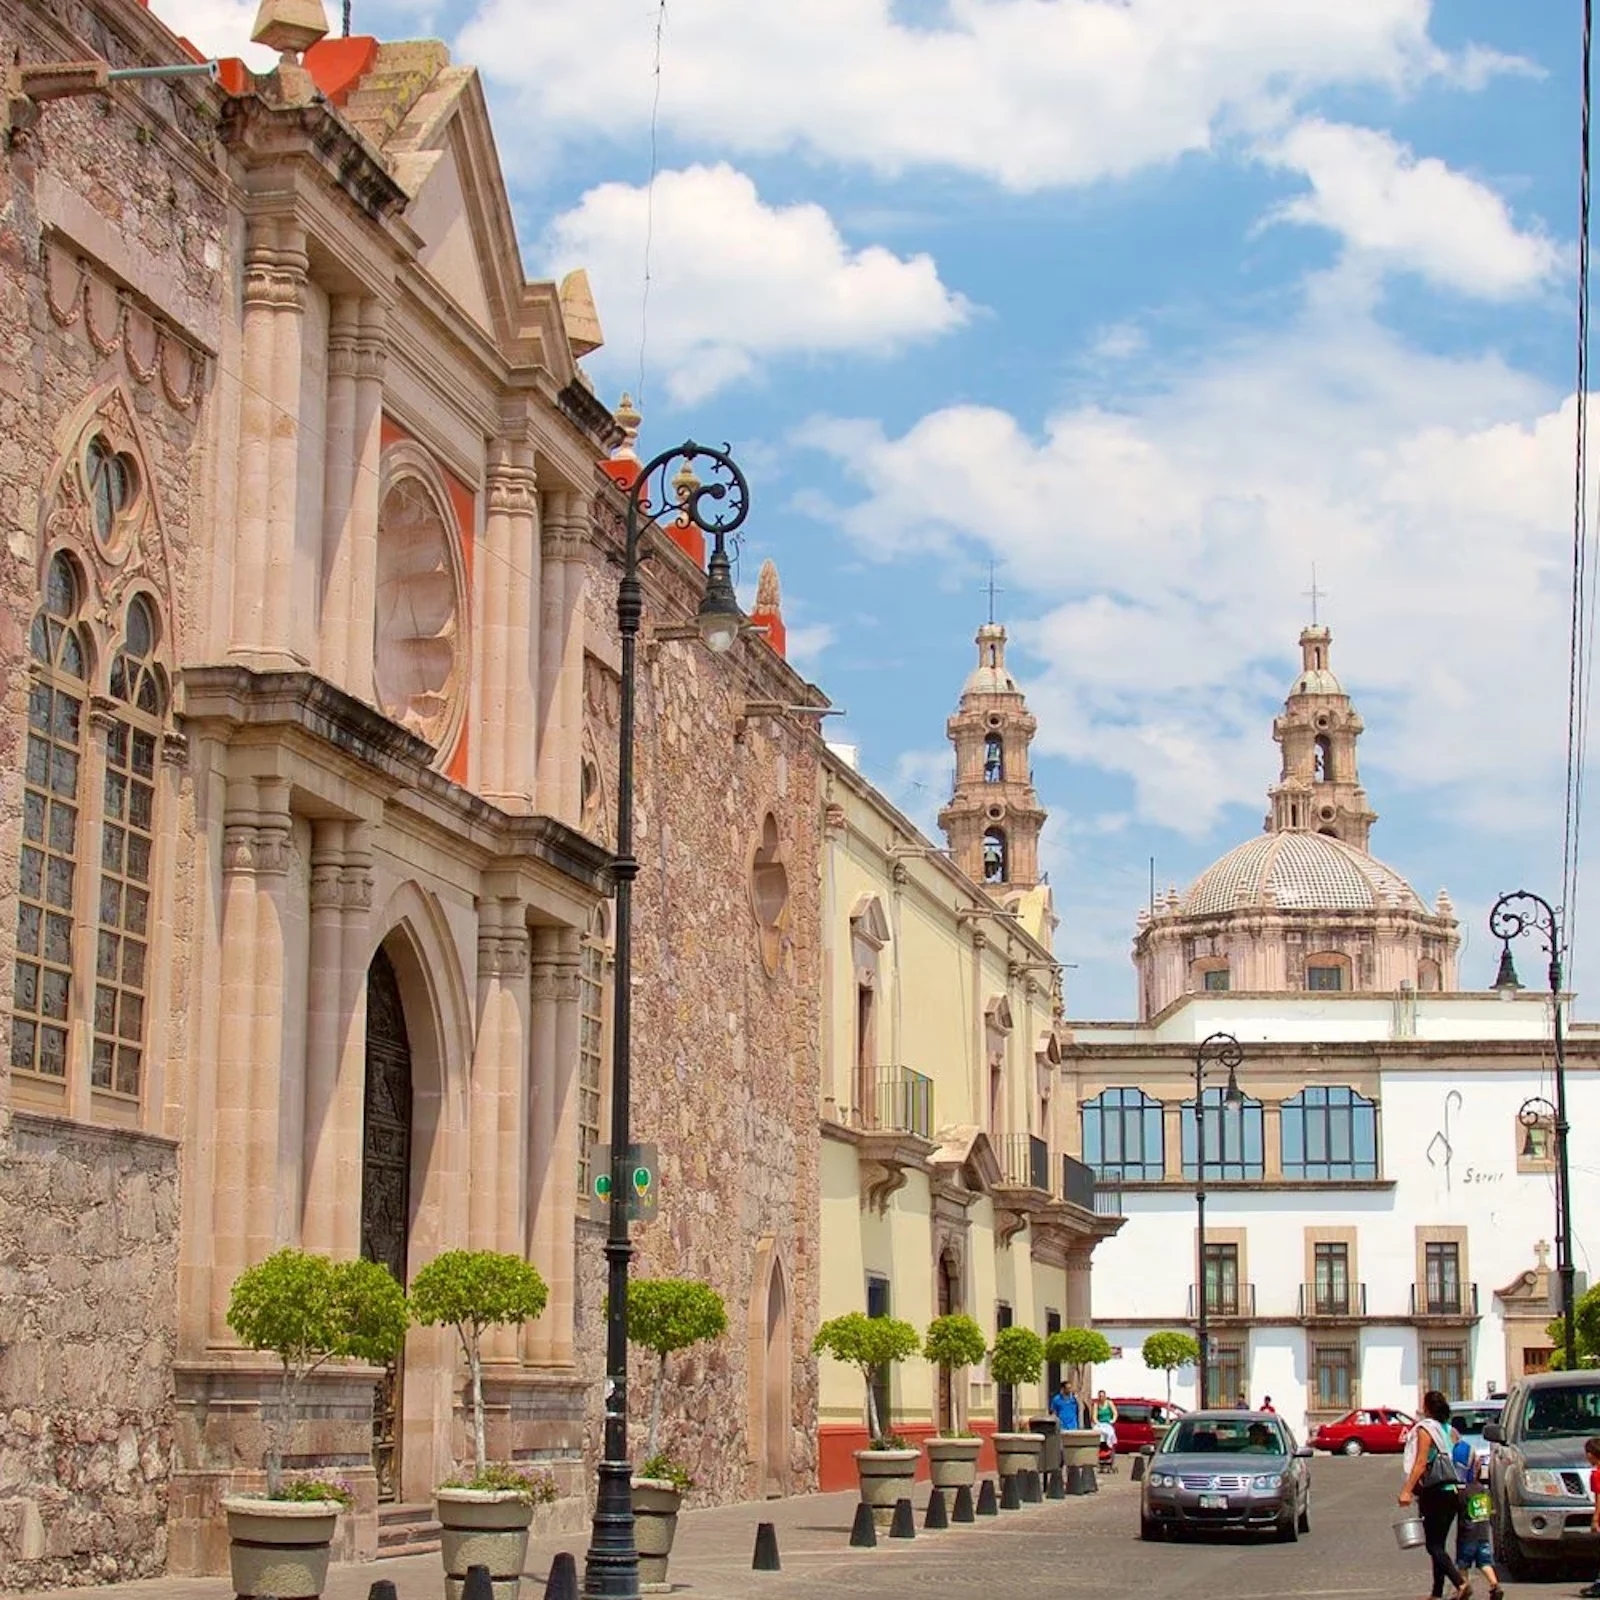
(1474, 1542)
(1591, 1453)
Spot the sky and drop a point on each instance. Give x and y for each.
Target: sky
(1155, 305)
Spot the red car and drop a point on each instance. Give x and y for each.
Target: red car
(1142, 1422)
(1379, 1429)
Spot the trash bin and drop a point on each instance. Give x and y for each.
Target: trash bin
(1050, 1429)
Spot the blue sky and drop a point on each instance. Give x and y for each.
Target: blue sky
(1153, 303)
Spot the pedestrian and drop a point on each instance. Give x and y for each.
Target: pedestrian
(1105, 1419)
(1474, 1542)
(1242, 1403)
(1064, 1403)
(1266, 1405)
(1591, 1453)
(1431, 1479)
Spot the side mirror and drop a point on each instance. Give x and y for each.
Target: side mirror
(1304, 1453)
(1494, 1433)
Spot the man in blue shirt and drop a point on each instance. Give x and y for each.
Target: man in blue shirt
(1064, 1405)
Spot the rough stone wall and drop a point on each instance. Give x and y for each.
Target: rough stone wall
(113, 238)
(88, 1327)
(725, 1052)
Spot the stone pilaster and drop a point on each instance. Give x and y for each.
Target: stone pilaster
(355, 936)
(564, 536)
(371, 359)
(510, 579)
(339, 482)
(321, 1196)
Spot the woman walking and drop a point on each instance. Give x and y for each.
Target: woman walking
(1432, 1481)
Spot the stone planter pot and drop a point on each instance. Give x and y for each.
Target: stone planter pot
(886, 1477)
(1017, 1452)
(1080, 1447)
(482, 1527)
(953, 1463)
(655, 1526)
(279, 1547)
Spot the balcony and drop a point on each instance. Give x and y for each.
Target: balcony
(1448, 1302)
(902, 1102)
(1225, 1300)
(1332, 1301)
(1077, 1184)
(1024, 1162)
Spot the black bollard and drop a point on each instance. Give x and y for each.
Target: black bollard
(562, 1584)
(863, 1531)
(1030, 1488)
(479, 1585)
(383, 1589)
(1010, 1493)
(1080, 1480)
(766, 1556)
(963, 1505)
(988, 1506)
(1138, 1468)
(936, 1517)
(1054, 1489)
(903, 1525)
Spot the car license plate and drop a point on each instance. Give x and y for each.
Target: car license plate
(1213, 1502)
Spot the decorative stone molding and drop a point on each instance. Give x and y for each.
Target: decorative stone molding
(503, 952)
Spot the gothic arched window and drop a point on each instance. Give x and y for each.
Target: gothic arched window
(994, 759)
(994, 856)
(42, 984)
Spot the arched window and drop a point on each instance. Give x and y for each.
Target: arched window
(994, 759)
(1324, 759)
(594, 985)
(1330, 1133)
(113, 486)
(994, 856)
(1428, 976)
(42, 984)
(127, 845)
(1234, 1145)
(1122, 1136)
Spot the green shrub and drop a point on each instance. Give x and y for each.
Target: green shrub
(1017, 1356)
(663, 1467)
(502, 1477)
(666, 1315)
(872, 1345)
(953, 1341)
(1167, 1350)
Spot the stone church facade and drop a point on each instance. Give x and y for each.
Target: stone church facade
(311, 522)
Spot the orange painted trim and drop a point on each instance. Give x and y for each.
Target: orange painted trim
(338, 65)
(837, 1443)
(621, 472)
(771, 624)
(234, 76)
(688, 539)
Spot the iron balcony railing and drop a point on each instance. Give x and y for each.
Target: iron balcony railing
(1333, 1299)
(1077, 1183)
(1444, 1299)
(1025, 1161)
(902, 1102)
(1108, 1200)
(1225, 1300)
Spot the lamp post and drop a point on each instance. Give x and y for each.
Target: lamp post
(611, 1570)
(1219, 1050)
(1512, 916)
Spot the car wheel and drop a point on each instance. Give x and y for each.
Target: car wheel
(1304, 1523)
(1351, 1447)
(1149, 1528)
(1508, 1552)
(1288, 1529)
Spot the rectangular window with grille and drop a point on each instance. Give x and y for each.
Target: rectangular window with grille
(1447, 1369)
(127, 843)
(1225, 1374)
(1442, 1261)
(591, 1041)
(1222, 1280)
(1331, 1279)
(1217, 979)
(1333, 1367)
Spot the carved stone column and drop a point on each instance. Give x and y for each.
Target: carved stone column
(349, 1108)
(510, 649)
(550, 1186)
(554, 610)
(339, 475)
(371, 358)
(321, 1196)
(574, 551)
(566, 975)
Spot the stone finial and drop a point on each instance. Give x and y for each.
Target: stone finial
(628, 419)
(578, 314)
(684, 485)
(768, 596)
(290, 26)
(1445, 906)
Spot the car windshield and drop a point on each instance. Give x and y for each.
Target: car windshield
(1563, 1411)
(1196, 1436)
(1470, 1419)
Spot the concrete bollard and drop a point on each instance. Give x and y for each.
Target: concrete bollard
(1138, 1468)
(1029, 1488)
(479, 1585)
(1054, 1488)
(766, 1556)
(904, 1524)
(987, 1506)
(562, 1584)
(863, 1531)
(383, 1589)
(1010, 1493)
(963, 1505)
(1081, 1480)
(936, 1517)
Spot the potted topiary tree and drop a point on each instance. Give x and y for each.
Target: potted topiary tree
(1167, 1350)
(1017, 1355)
(872, 1345)
(307, 1310)
(665, 1315)
(484, 1514)
(953, 1341)
(1078, 1349)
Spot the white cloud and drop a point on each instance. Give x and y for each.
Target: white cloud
(221, 28)
(1409, 213)
(1029, 93)
(1168, 546)
(736, 283)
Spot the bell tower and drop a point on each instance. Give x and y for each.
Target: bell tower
(1319, 789)
(993, 819)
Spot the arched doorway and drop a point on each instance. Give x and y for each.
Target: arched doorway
(386, 1185)
(776, 1461)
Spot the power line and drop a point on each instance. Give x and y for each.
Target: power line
(650, 196)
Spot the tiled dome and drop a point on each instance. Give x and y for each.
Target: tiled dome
(1299, 872)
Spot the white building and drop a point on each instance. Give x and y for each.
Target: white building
(1380, 1217)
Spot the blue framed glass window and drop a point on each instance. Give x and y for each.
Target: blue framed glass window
(1122, 1136)
(1330, 1132)
(1235, 1142)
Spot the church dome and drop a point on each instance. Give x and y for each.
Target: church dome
(1298, 871)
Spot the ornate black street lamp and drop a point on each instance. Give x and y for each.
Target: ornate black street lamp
(717, 507)
(1514, 915)
(1216, 1050)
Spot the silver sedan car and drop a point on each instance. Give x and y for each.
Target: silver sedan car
(1236, 1470)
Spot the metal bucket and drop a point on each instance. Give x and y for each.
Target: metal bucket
(1408, 1532)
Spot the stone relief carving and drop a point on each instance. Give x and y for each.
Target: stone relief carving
(602, 691)
(769, 894)
(419, 665)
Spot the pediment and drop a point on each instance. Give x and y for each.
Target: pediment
(1529, 1291)
(965, 1150)
(998, 1013)
(869, 921)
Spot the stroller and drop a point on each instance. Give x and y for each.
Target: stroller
(1107, 1459)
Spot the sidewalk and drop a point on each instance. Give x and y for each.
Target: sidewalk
(712, 1556)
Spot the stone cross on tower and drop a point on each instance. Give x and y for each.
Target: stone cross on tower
(993, 819)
